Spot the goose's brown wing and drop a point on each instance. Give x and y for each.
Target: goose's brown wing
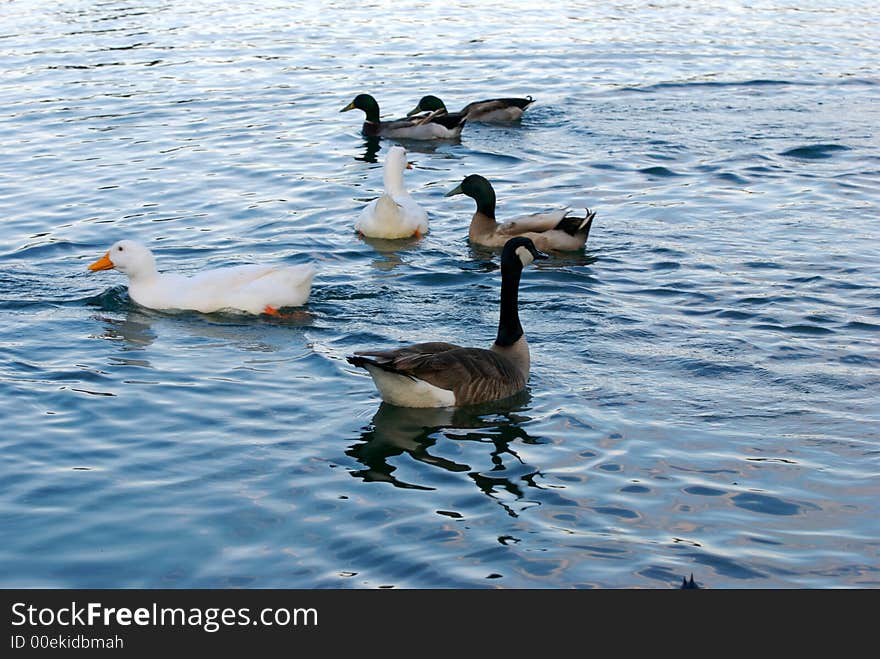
(475, 375)
(402, 355)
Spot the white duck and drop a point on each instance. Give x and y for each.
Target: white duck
(253, 289)
(395, 214)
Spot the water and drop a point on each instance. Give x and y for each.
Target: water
(705, 376)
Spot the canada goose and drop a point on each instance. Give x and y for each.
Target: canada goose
(445, 375)
(432, 126)
(395, 214)
(489, 111)
(253, 289)
(555, 230)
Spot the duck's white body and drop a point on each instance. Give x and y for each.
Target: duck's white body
(249, 288)
(253, 289)
(395, 214)
(403, 129)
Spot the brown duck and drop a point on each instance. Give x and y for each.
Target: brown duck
(556, 230)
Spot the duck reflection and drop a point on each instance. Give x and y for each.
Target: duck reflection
(395, 431)
(429, 147)
(372, 145)
(136, 330)
(482, 257)
(388, 252)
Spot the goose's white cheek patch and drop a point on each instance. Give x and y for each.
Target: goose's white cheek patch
(524, 255)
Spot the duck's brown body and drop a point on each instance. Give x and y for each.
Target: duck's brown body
(549, 231)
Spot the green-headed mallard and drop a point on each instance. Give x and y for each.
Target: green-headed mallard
(444, 374)
(492, 110)
(556, 230)
(432, 126)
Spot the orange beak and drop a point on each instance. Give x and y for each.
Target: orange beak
(103, 263)
(409, 165)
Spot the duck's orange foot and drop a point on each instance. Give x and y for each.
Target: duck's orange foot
(417, 234)
(272, 311)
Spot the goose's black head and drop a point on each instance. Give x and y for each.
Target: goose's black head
(366, 103)
(427, 104)
(519, 252)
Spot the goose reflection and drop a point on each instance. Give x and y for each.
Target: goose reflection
(397, 431)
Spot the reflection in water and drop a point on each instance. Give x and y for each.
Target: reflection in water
(427, 146)
(136, 329)
(484, 255)
(372, 145)
(395, 431)
(387, 262)
(388, 256)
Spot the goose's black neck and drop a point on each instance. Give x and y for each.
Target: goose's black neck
(509, 329)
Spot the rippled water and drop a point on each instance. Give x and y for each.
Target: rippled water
(705, 376)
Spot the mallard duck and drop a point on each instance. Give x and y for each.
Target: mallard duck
(431, 126)
(492, 110)
(253, 289)
(556, 230)
(445, 375)
(395, 214)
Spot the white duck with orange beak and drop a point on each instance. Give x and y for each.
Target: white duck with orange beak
(395, 214)
(254, 289)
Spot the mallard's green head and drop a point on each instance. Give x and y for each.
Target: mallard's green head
(427, 104)
(366, 103)
(480, 190)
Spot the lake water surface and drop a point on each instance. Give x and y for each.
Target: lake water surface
(704, 392)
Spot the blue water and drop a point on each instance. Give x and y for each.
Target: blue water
(704, 393)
